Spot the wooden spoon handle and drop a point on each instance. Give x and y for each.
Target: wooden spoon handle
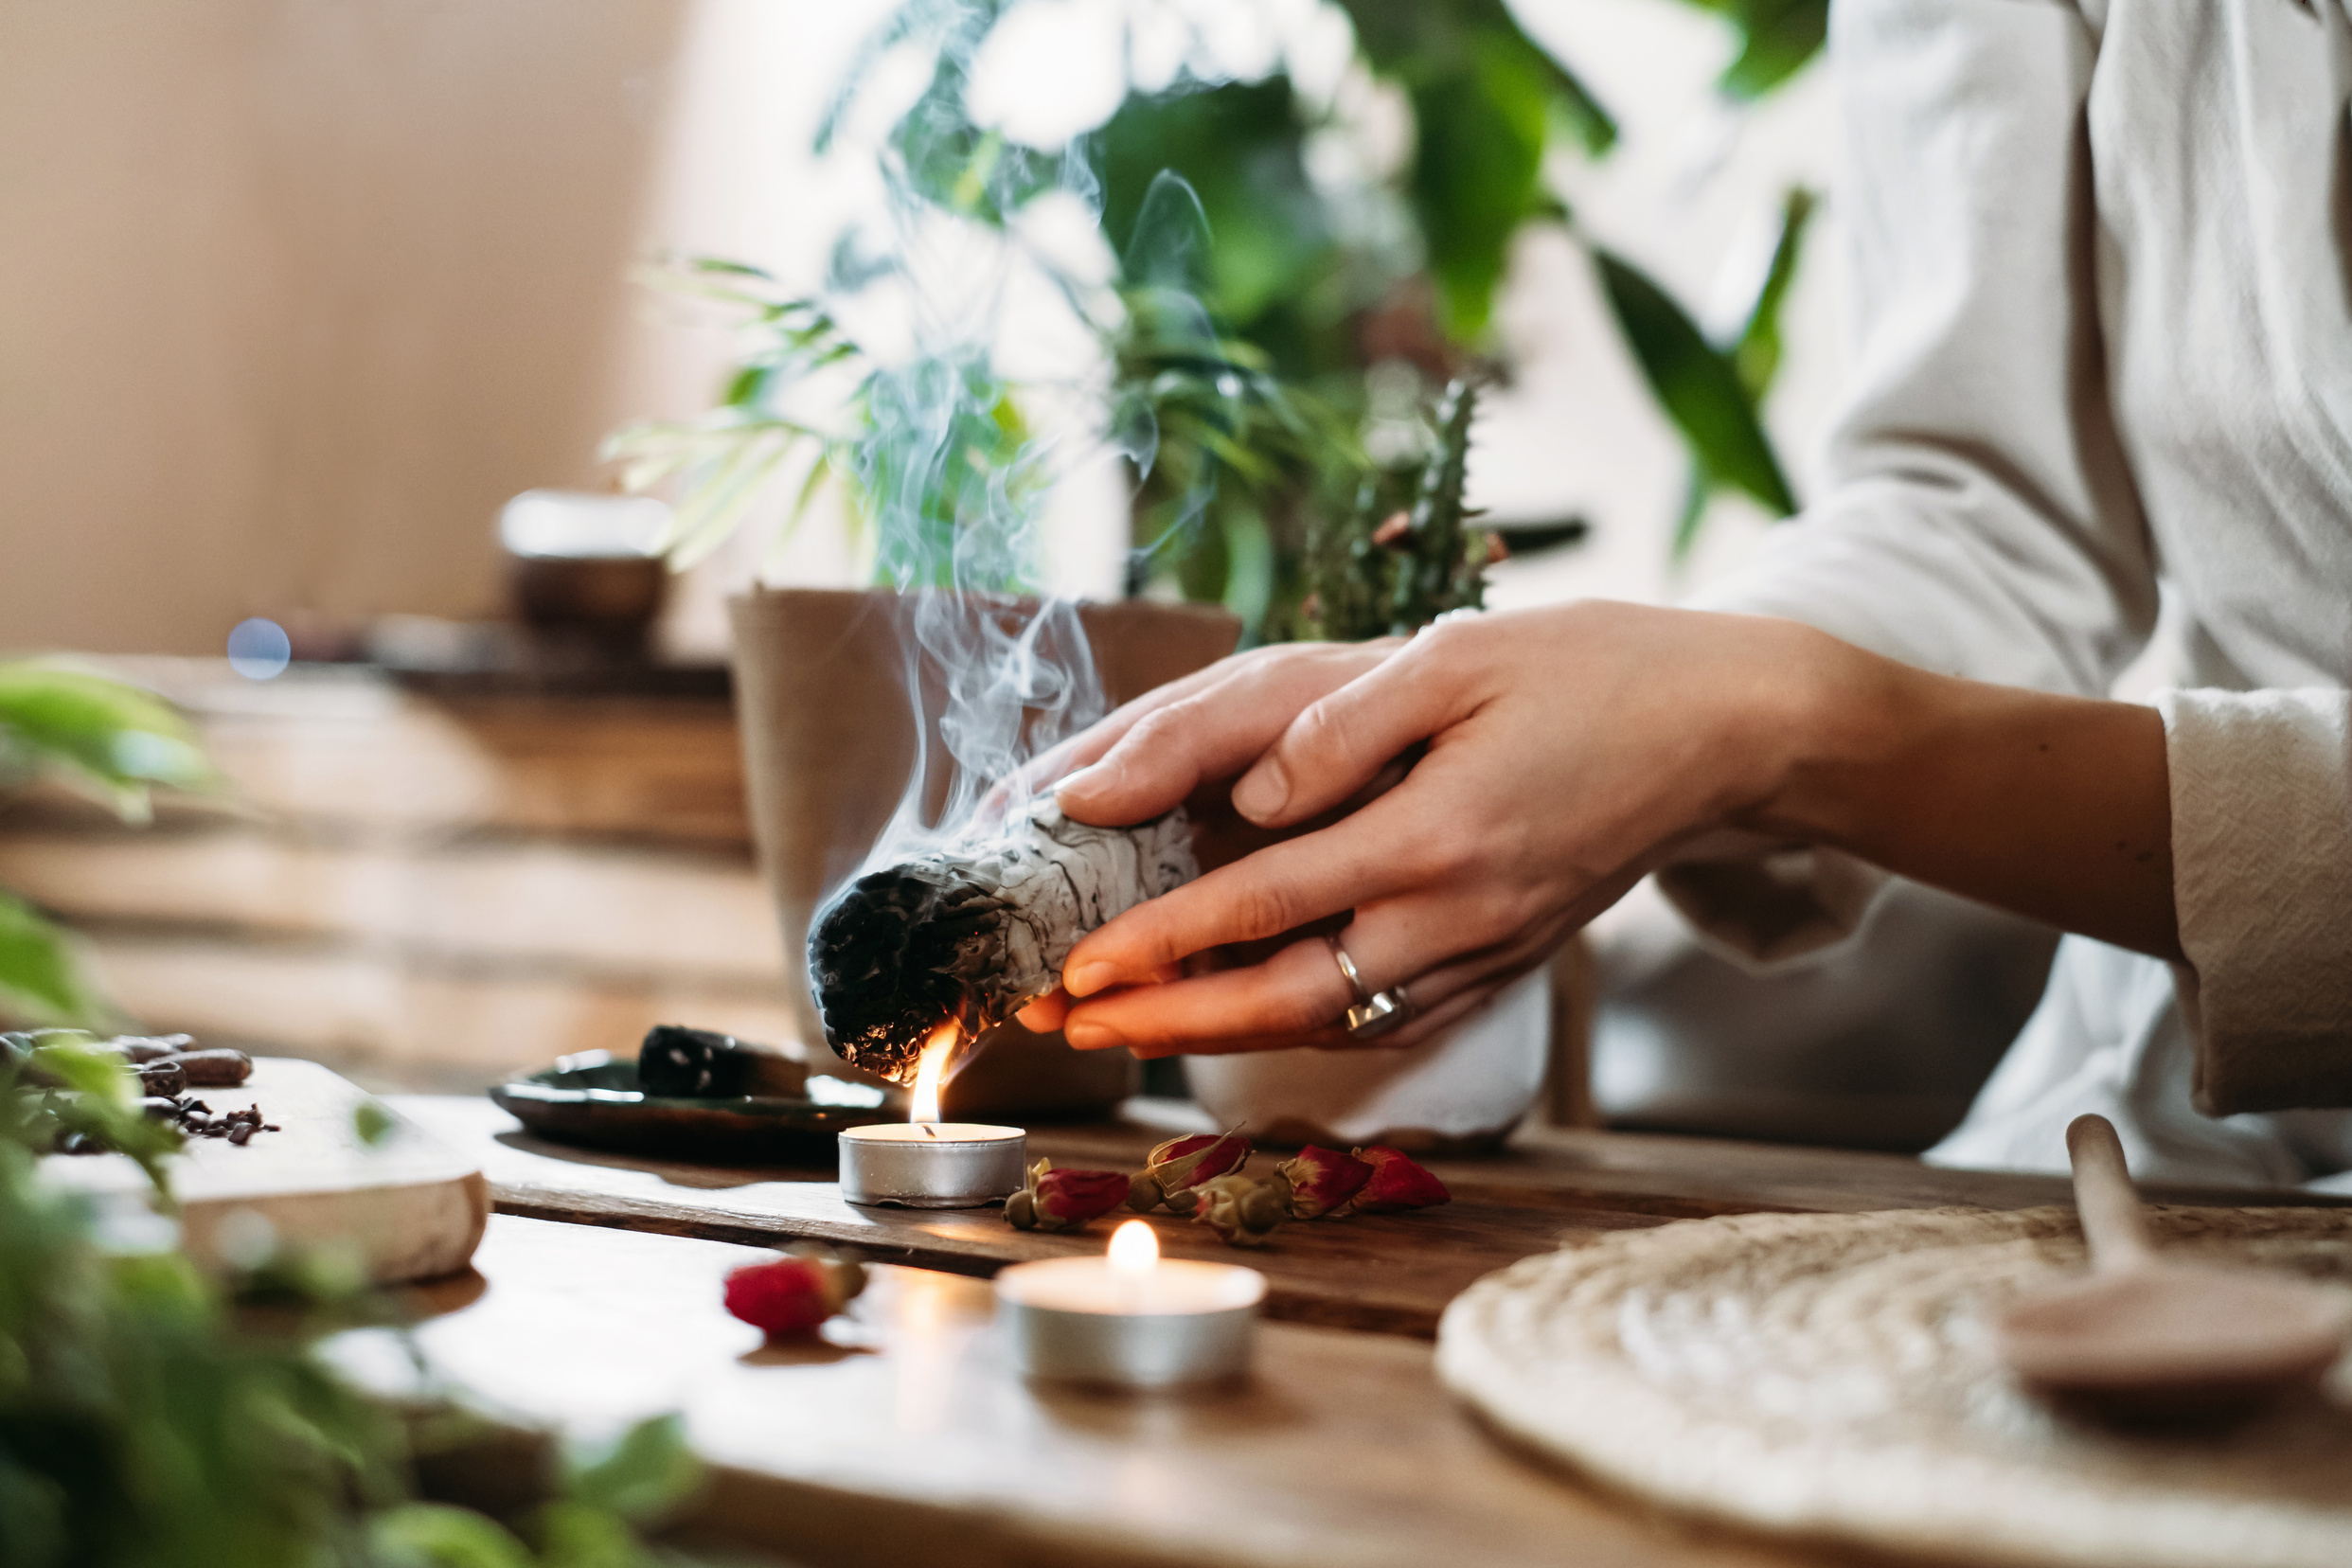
(2104, 1197)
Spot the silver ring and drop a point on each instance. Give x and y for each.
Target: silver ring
(1383, 1012)
(1375, 1012)
(1348, 971)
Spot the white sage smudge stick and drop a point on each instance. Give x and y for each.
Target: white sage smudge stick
(976, 929)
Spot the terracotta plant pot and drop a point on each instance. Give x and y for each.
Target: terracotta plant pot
(828, 744)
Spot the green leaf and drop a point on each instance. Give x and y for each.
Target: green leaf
(1757, 352)
(84, 1070)
(41, 976)
(1229, 162)
(433, 1535)
(575, 1535)
(1697, 384)
(371, 1123)
(642, 1476)
(1478, 151)
(1781, 37)
(107, 735)
(1777, 38)
(1696, 492)
(1594, 128)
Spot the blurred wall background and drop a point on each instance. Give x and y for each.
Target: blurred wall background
(295, 293)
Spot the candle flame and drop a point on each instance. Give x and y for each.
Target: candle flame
(932, 1071)
(1134, 1250)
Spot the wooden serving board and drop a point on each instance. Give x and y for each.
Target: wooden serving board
(414, 1207)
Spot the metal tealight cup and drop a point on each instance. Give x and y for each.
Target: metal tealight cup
(960, 1165)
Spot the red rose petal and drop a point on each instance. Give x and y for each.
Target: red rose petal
(783, 1297)
(1397, 1184)
(1074, 1197)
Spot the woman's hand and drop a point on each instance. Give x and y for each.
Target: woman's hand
(1567, 752)
(1562, 755)
(1201, 731)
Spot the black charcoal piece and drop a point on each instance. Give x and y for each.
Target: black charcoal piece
(676, 1062)
(976, 929)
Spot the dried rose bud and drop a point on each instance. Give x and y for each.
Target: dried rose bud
(1321, 1179)
(1397, 1184)
(1242, 1211)
(793, 1295)
(1070, 1198)
(1065, 1200)
(1219, 1153)
(1182, 1163)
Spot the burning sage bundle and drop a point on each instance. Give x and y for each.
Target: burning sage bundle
(975, 929)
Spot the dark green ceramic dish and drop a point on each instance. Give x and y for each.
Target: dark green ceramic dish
(593, 1100)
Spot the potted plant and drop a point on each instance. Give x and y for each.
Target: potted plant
(859, 706)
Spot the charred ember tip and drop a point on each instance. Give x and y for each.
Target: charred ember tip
(890, 958)
(976, 929)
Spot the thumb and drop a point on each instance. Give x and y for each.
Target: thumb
(1337, 747)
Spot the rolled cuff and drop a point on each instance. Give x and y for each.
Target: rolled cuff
(2261, 785)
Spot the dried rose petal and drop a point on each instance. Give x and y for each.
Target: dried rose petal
(1242, 1211)
(1065, 1200)
(1397, 1184)
(787, 1297)
(1232, 1148)
(1182, 1163)
(1323, 1179)
(1070, 1198)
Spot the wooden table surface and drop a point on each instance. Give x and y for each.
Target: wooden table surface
(903, 1439)
(1390, 1273)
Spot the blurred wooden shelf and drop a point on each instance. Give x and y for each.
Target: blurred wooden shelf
(421, 888)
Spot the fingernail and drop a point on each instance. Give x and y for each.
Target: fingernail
(1087, 1035)
(1087, 979)
(1261, 794)
(1091, 780)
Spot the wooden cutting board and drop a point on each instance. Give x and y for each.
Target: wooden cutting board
(413, 1207)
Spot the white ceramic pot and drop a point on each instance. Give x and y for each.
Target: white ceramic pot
(1465, 1088)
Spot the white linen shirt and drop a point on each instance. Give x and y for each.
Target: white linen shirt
(2104, 269)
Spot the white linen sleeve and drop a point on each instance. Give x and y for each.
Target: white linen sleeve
(1978, 517)
(2261, 786)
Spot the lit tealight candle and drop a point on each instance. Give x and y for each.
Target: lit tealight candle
(928, 1163)
(1130, 1318)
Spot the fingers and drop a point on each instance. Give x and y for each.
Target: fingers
(1281, 887)
(1206, 732)
(1188, 1016)
(1044, 1015)
(1083, 748)
(1341, 742)
(1297, 991)
(1439, 945)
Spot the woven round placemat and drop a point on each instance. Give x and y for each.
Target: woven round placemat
(1833, 1375)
